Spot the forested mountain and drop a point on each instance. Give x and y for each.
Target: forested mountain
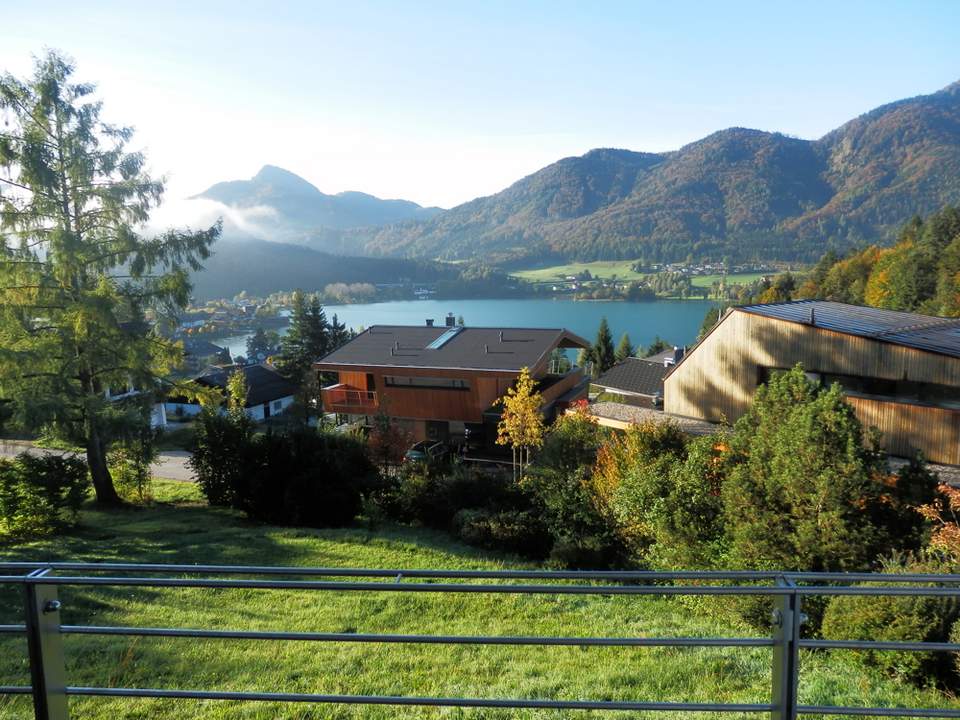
(739, 193)
(296, 211)
(262, 267)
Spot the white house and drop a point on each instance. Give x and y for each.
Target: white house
(268, 392)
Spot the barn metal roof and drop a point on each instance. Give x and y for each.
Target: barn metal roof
(474, 348)
(923, 332)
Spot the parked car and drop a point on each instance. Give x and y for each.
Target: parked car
(425, 451)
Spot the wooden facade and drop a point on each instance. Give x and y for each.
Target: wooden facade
(717, 379)
(364, 391)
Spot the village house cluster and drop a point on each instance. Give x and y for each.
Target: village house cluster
(899, 371)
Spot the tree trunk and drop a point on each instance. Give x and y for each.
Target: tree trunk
(99, 472)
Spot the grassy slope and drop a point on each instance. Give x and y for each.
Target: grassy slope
(599, 269)
(606, 269)
(180, 530)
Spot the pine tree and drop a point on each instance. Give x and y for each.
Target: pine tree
(306, 341)
(339, 334)
(625, 349)
(76, 278)
(602, 352)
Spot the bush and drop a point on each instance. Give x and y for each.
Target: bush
(431, 495)
(130, 462)
(896, 618)
(802, 488)
(40, 494)
(559, 483)
(631, 481)
(296, 478)
(512, 531)
(222, 454)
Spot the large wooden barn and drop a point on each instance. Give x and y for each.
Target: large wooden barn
(900, 371)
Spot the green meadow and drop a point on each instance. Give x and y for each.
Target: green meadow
(178, 528)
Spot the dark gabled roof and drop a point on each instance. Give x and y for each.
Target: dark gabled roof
(661, 357)
(472, 348)
(634, 375)
(200, 348)
(264, 384)
(922, 332)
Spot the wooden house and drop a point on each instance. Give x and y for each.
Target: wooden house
(442, 383)
(900, 371)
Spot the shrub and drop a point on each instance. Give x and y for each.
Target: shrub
(512, 531)
(688, 527)
(431, 495)
(222, 454)
(631, 481)
(130, 462)
(896, 618)
(40, 494)
(801, 487)
(296, 478)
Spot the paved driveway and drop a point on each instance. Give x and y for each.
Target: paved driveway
(170, 464)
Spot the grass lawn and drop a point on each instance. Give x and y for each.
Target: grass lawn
(180, 529)
(732, 279)
(599, 269)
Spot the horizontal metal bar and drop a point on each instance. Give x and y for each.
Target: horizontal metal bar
(879, 591)
(877, 712)
(880, 645)
(13, 628)
(15, 690)
(417, 639)
(422, 701)
(414, 573)
(421, 587)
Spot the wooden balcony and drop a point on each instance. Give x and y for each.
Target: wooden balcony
(348, 400)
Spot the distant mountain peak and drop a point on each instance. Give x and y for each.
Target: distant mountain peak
(277, 176)
(304, 214)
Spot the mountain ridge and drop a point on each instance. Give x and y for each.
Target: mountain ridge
(738, 192)
(301, 209)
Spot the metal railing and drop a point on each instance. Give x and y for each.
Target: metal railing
(339, 396)
(50, 688)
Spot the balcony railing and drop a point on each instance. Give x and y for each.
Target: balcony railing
(51, 689)
(346, 399)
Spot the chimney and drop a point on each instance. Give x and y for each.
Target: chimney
(677, 354)
(429, 322)
(391, 352)
(486, 349)
(813, 317)
(451, 320)
(501, 336)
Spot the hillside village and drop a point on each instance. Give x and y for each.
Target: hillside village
(270, 451)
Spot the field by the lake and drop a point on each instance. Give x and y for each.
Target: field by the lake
(604, 269)
(621, 270)
(179, 529)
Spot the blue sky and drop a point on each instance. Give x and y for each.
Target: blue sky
(441, 102)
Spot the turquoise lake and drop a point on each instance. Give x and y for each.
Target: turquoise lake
(676, 321)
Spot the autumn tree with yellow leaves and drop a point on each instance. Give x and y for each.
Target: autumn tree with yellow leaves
(521, 425)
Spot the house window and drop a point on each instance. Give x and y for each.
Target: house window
(277, 405)
(426, 382)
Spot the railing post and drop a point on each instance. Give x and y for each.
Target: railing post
(45, 645)
(786, 636)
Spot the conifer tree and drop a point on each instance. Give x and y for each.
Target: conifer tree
(624, 350)
(77, 278)
(602, 352)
